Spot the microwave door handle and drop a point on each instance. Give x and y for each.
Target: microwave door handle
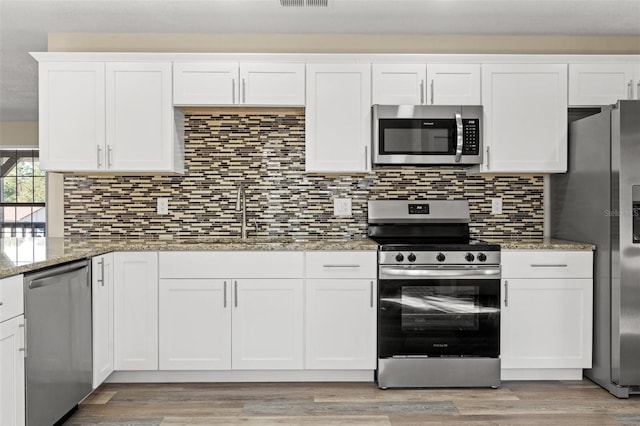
(460, 134)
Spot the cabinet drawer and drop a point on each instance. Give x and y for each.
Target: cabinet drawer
(231, 264)
(11, 297)
(341, 264)
(547, 264)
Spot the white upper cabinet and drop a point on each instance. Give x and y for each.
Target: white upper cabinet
(525, 118)
(338, 118)
(417, 84)
(233, 83)
(453, 84)
(393, 84)
(602, 84)
(71, 116)
(139, 116)
(108, 117)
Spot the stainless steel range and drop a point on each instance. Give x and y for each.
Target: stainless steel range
(439, 297)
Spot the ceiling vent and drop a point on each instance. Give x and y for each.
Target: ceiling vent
(304, 3)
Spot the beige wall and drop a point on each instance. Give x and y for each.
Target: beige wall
(341, 43)
(18, 134)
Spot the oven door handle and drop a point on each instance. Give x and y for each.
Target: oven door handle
(395, 273)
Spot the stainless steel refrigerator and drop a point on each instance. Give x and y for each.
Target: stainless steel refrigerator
(598, 201)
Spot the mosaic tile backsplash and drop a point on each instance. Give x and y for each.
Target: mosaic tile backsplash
(265, 153)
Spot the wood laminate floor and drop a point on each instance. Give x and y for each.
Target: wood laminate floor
(252, 404)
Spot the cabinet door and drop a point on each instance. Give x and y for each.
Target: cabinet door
(267, 324)
(600, 84)
(393, 84)
(338, 118)
(272, 84)
(102, 313)
(71, 116)
(546, 323)
(525, 118)
(139, 116)
(195, 324)
(135, 305)
(453, 84)
(340, 324)
(12, 379)
(205, 83)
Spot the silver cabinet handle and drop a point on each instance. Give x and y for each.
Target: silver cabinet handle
(0, 303)
(233, 90)
(629, 94)
(101, 279)
(506, 293)
(371, 293)
(432, 90)
(224, 296)
(244, 92)
(235, 293)
(23, 349)
(421, 91)
(548, 265)
(488, 160)
(459, 136)
(341, 266)
(638, 90)
(99, 151)
(109, 150)
(366, 157)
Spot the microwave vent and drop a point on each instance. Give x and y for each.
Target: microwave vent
(304, 3)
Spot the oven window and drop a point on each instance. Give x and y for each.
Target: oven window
(431, 308)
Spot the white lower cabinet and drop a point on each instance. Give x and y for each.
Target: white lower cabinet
(340, 310)
(267, 330)
(340, 324)
(12, 379)
(547, 314)
(102, 314)
(195, 324)
(251, 320)
(135, 310)
(12, 346)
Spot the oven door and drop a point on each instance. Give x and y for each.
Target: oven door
(449, 315)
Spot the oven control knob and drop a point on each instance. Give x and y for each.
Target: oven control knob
(440, 257)
(482, 257)
(411, 257)
(469, 257)
(399, 257)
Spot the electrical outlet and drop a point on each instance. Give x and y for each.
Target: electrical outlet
(163, 206)
(496, 206)
(342, 206)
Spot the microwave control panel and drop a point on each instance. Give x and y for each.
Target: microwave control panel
(471, 137)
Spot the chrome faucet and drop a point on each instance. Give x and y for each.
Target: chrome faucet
(241, 205)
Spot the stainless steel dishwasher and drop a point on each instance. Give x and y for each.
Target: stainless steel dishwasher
(58, 329)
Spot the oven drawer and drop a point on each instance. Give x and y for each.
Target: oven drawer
(547, 264)
(341, 264)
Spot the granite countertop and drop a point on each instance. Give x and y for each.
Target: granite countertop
(539, 244)
(19, 255)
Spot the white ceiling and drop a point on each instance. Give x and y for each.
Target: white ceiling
(24, 25)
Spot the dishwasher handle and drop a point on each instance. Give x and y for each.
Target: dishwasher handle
(44, 278)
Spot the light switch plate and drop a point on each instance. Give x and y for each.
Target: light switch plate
(163, 206)
(342, 206)
(496, 206)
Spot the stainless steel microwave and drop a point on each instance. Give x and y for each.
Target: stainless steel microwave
(427, 134)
